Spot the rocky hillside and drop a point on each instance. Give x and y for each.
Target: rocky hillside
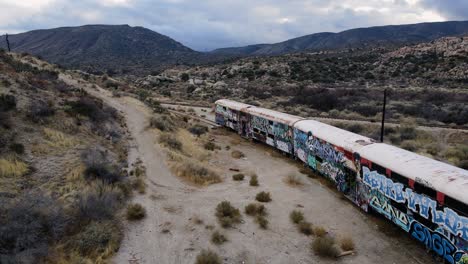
(426, 81)
(355, 38)
(103, 48)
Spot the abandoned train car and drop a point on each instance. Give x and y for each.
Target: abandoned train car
(426, 198)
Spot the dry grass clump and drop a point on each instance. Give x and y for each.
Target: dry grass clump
(347, 243)
(325, 247)
(227, 214)
(238, 177)
(262, 221)
(170, 141)
(255, 209)
(218, 238)
(208, 257)
(196, 173)
(237, 154)
(13, 168)
(253, 180)
(135, 212)
(163, 123)
(294, 180)
(320, 231)
(139, 185)
(296, 216)
(211, 146)
(305, 228)
(263, 197)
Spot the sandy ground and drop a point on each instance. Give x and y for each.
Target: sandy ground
(170, 234)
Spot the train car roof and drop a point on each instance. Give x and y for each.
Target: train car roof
(274, 115)
(336, 136)
(443, 177)
(233, 104)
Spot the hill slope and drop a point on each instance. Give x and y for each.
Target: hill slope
(355, 38)
(100, 47)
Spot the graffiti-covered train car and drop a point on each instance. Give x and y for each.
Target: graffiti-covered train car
(426, 198)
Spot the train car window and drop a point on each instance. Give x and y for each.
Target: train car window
(319, 159)
(234, 121)
(400, 206)
(419, 188)
(255, 130)
(398, 178)
(224, 108)
(271, 136)
(379, 169)
(456, 205)
(423, 220)
(270, 122)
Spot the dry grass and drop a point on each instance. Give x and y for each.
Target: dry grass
(347, 243)
(253, 180)
(170, 141)
(218, 238)
(263, 197)
(57, 139)
(255, 209)
(296, 216)
(139, 185)
(305, 228)
(227, 214)
(208, 257)
(196, 173)
(237, 154)
(294, 180)
(325, 247)
(13, 168)
(262, 221)
(191, 145)
(135, 212)
(320, 231)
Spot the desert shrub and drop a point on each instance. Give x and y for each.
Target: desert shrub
(253, 180)
(408, 132)
(305, 228)
(163, 123)
(13, 168)
(263, 197)
(296, 216)
(5, 120)
(139, 185)
(198, 130)
(7, 102)
(409, 145)
(319, 231)
(18, 148)
(211, 146)
(28, 223)
(347, 243)
(227, 214)
(98, 204)
(99, 167)
(97, 238)
(238, 177)
(208, 257)
(218, 238)
(237, 154)
(255, 209)
(91, 108)
(135, 212)
(38, 110)
(170, 141)
(325, 247)
(184, 76)
(261, 221)
(294, 180)
(196, 173)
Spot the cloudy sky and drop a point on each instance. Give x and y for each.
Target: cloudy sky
(208, 24)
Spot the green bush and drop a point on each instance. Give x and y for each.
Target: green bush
(96, 238)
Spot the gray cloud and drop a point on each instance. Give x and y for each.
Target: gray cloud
(209, 24)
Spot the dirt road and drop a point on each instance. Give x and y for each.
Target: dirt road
(180, 217)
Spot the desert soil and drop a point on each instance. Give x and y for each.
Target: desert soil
(171, 233)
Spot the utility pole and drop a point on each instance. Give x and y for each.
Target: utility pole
(383, 116)
(7, 42)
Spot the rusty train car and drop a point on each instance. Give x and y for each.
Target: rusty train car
(426, 198)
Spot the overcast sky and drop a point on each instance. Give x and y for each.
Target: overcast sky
(209, 24)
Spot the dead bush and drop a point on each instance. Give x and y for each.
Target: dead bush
(139, 185)
(98, 204)
(294, 180)
(238, 177)
(325, 247)
(305, 228)
(218, 238)
(170, 141)
(163, 123)
(255, 209)
(98, 166)
(39, 110)
(263, 197)
(320, 231)
(262, 221)
(227, 214)
(211, 146)
(196, 173)
(135, 212)
(347, 243)
(208, 257)
(296, 216)
(237, 154)
(253, 180)
(198, 130)
(92, 108)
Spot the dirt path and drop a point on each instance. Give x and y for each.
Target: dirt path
(170, 234)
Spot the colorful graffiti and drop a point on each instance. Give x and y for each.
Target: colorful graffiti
(336, 174)
(421, 204)
(324, 150)
(261, 124)
(382, 205)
